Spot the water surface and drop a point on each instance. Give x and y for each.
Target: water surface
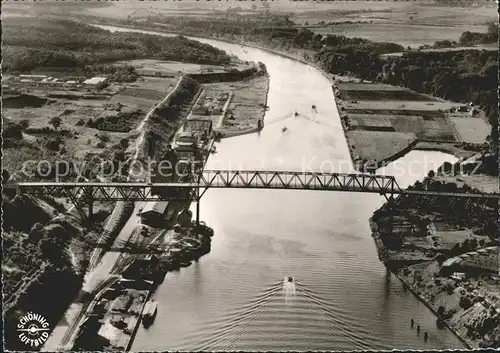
(234, 297)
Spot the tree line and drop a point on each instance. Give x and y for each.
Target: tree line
(32, 45)
(42, 278)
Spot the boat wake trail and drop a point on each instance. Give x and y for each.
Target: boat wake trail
(281, 118)
(289, 289)
(287, 307)
(298, 115)
(315, 121)
(241, 319)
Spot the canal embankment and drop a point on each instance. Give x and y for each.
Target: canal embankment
(444, 295)
(447, 256)
(234, 107)
(114, 315)
(382, 122)
(233, 97)
(278, 245)
(186, 242)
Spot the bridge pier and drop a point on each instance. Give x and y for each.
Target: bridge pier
(391, 214)
(90, 205)
(198, 200)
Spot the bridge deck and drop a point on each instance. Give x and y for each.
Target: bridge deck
(137, 191)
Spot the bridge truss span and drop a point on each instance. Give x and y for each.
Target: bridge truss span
(82, 195)
(298, 180)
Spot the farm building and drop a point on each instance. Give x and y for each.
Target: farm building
(96, 82)
(32, 77)
(153, 213)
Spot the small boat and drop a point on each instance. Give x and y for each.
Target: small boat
(289, 279)
(149, 313)
(313, 107)
(284, 129)
(296, 114)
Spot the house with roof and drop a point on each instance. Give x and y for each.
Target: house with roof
(153, 213)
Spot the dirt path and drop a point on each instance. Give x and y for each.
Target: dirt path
(99, 272)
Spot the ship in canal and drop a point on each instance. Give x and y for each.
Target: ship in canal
(149, 313)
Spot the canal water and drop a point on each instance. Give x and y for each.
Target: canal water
(234, 297)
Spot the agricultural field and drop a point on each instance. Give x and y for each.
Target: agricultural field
(405, 107)
(408, 24)
(149, 67)
(380, 92)
(376, 145)
(471, 129)
(146, 92)
(382, 120)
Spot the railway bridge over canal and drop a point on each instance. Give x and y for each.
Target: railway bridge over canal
(83, 195)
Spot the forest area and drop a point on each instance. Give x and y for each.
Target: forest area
(64, 44)
(36, 264)
(461, 76)
(40, 243)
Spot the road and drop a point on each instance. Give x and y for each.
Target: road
(99, 272)
(64, 334)
(139, 141)
(105, 266)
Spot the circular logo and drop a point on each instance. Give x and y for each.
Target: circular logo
(33, 330)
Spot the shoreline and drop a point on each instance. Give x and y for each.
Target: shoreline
(413, 145)
(381, 253)
(226, 135)
(331, 80)
(192, 245)
(427, 304)
(192, 242)
(226, 131)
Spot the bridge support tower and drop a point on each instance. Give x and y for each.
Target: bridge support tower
(198, 200)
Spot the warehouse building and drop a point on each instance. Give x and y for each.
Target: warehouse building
(32, 77)
(96, 82)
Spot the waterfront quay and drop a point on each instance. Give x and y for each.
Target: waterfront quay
(115, 313)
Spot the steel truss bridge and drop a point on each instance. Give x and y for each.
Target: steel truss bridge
(83, 195)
